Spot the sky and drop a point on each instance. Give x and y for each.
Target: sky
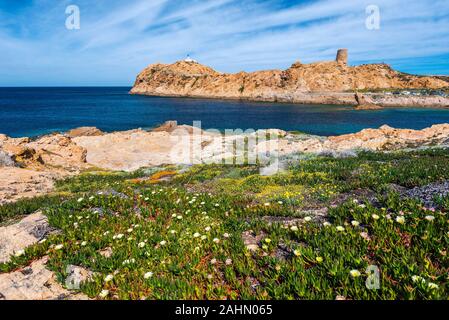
(116, 39)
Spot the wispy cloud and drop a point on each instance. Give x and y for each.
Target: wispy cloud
(117, 38)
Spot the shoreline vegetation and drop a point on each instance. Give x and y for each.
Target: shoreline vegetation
(226, 232)
(358, 216)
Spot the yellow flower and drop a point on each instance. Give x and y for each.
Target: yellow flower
(400, 220)
(319, 259)
(297, 253)
(355, 273)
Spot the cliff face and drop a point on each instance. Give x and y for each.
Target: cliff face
(306, 83)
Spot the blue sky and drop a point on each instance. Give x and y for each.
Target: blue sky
(119, 38)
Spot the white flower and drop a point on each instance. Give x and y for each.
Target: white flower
(355, 273)
(174, 215)
(130, 230)
(129, 261)
(118, 236)
(307, 219)
(280, 202)
(340, 228)
(141, 244)
(226, 235)
(228, 262)
(104, 293)
(42, 241)
(203, 237)
(355, 223)
(217, 205)
(266, 204)
(179, 217)
(148, 275)
(400, 220)
(375, 217)
(216, 240)
(20, 253)
(196, 235)
(355, 201)
(84, 243)
(91, 198)
(207, 229)
(430, 218)
(108, 278)
(59, 247)
(213, 261)
(106, 233)
(163, 243)
(294, 228)
(327, 224)
(418, 279)
(362, 206)
(432, 285)
(172, 231)
(80, 199)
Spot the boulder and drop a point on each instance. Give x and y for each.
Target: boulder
(84, 132)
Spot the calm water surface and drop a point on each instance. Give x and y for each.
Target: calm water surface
(36, 111)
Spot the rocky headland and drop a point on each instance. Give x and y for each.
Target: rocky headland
(29, 167)
(328, 82)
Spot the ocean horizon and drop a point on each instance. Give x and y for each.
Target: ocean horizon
(35, 111)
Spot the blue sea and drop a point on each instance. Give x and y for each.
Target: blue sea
(37, 111)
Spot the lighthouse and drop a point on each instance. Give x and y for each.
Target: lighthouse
(190, 60)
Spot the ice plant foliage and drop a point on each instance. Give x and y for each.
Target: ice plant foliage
(208, 233)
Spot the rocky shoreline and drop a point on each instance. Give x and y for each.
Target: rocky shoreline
(329, 82)
(30, 167)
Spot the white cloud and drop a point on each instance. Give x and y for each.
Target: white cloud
(119, 38)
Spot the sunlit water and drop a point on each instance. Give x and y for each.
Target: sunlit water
(37, 111)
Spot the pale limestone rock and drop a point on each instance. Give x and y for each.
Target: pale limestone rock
(25, 183)
(18, 236)
(35, 282)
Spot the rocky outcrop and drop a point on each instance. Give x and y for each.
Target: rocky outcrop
(363, 103)
(33, 165)
(84, 131)
(320, 82)
(59, 156)
(388, 138)
(16, 237)
(35, 282)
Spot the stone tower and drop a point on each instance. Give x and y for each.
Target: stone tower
(342, 56)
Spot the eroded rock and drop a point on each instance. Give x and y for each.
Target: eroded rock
(35, 282)
(18, 236)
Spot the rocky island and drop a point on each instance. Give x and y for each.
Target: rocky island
(328, 82)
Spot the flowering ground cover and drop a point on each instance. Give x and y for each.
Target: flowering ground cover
(226, 232)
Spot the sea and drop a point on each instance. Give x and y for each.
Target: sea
(37, 111)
